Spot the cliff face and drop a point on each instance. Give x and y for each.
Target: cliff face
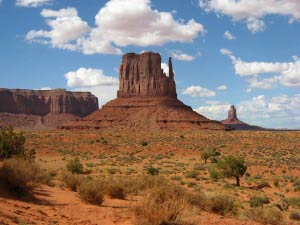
(142, 75)
(42, 103)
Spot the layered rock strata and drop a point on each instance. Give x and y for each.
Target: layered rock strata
(147, 100)
(38, 108)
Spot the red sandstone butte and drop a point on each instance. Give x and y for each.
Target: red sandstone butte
(147, 100)
(233, 122)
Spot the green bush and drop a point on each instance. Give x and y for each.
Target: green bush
(205, 155)
(11, 143)
(21, 175)
(91, 191)
(232, 166)
(258, 201)
(152, 171)
(75, 166)
(214, 173)
(144, 143)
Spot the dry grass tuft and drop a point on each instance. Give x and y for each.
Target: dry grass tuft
(166, 204)
(21, 175)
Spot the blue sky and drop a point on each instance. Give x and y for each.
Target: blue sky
(224, 52)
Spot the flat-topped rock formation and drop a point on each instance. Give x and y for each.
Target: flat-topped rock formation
(147, 100)
(142, 75)
(43, 108)
(233, 121)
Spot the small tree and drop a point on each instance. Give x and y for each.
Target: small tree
(11, 143)
(75, 166)
(231, 166)
(208, 154)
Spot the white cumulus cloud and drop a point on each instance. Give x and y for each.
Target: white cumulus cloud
(255, 25)
(222, 88)
(287, 73)
(229, 36)
(94, 81)
(165, 68)
(281, 111)
(32, 3)
(66, 27)
(198, 91)
(214, 110)
(179, 55)
(88, 77)
(252, 12)
(119, 23)
(103, 93)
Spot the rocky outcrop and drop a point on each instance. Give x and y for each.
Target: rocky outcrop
(147, 100)
(142, 75)
(38, 108)
(41, 103)
(233, 121)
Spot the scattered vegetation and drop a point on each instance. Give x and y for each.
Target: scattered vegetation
(265, 215)
(21, 175)
(163, 205)
(72, 180)
(258, 201)
(205, 155)
(75, 166)
(231, 166)
(222, 204)
(91, 191)
(11, 143)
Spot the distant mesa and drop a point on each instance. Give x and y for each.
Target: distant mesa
(147, 100)
(233, 121)
(43, 108)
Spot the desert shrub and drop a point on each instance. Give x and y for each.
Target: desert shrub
(176, 177)
(21, 175)
(163, 205)
(221, 204)
(72, 181)
(205, 155)
(11, 143)
(265, 215)
(115, 190)
(294, 216)
(294, 201)
(198, 199)
(75, 166)
(232, 166)
(214, 173)
(152, 171)
(91, 191)
(192, 174)
(144, 143)
(141, 183)
(258, 201)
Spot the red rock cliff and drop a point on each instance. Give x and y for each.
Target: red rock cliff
(42, 103)
(142, 75)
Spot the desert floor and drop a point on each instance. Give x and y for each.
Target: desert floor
(272, 158)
